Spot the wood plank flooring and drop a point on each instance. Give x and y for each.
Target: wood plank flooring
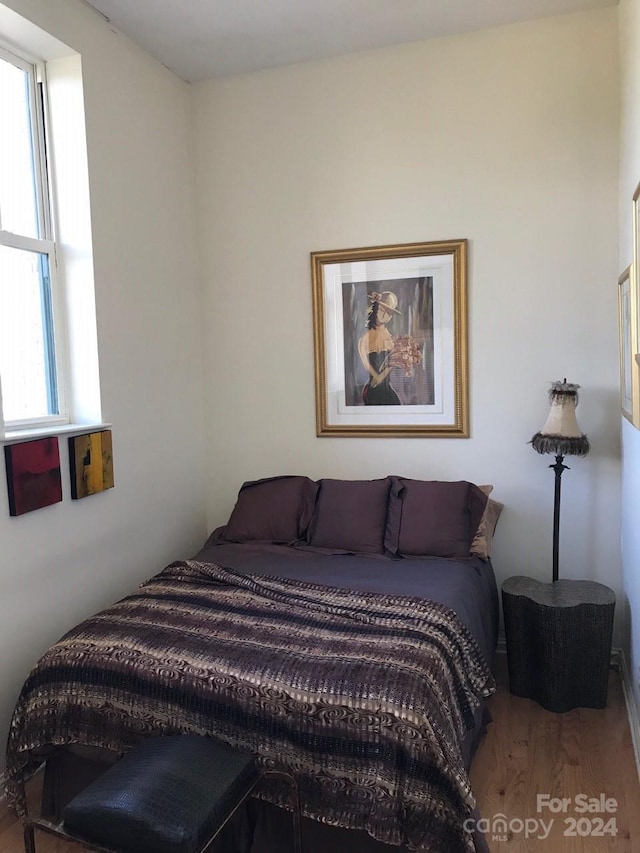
(530, 751)
(527, 751)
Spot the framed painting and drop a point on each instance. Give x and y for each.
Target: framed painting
(390, 333)
(627, 325)
(636, 238)
(33, 475)
(91, 463)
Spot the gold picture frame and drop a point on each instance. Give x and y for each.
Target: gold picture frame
(390, 336)
(636, 226)
(628, 341)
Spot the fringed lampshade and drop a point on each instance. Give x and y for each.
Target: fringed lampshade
(561, 433)
(562, 436)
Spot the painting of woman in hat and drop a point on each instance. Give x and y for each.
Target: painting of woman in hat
(380, 352)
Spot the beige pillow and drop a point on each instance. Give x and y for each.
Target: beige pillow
(481, 545)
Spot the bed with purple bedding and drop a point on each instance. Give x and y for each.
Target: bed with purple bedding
(363, 670)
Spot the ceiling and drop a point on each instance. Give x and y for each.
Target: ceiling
(200, 39)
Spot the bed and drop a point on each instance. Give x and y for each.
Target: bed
(317, 629)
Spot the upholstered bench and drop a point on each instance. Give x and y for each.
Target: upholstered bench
(168, 795)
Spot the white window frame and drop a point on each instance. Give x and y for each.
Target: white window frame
(45, 243)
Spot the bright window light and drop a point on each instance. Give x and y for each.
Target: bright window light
(27, 362)
(29, 372)
(18, 199)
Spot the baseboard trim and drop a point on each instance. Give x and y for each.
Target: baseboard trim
(632, 707)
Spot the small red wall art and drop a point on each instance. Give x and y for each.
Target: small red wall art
(33, 475)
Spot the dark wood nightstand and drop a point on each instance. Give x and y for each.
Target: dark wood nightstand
(558, 641)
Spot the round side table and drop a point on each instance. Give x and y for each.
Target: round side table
(558, 641)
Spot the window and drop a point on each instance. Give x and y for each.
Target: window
(31, 375)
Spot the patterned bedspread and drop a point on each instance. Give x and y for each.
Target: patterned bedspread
(365, 697)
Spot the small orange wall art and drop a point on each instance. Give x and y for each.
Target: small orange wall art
(91, 463)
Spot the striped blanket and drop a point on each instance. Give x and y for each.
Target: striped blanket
(365, 697)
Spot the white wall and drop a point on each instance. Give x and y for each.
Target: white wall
(60, 564)
(508, 137)
(629, 177)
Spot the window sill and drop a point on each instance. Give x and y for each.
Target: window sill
(53, 429)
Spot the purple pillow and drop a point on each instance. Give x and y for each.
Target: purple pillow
(433, 518)
(277, 509)
(350, 515)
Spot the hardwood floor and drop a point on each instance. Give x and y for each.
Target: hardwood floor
(527, 752)
(11, 829)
